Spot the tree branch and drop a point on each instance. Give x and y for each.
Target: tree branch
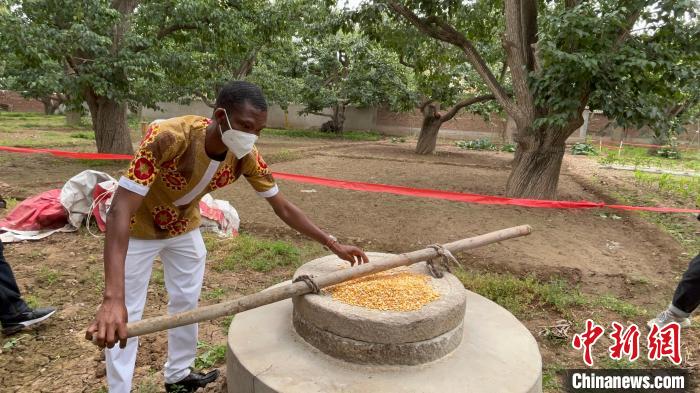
(464, 103)
(424, 104)
(528, 20)
(440, 30)
(517, 62)
(205, 100)
(71, 65)
(246, 66)
(166, 31)
(403, 61)
(319, 114)
(631, 20)
(502, 74)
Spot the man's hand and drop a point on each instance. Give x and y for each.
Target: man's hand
(109, 325)
(349, 253)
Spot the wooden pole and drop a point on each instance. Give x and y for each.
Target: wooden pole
(151, 325)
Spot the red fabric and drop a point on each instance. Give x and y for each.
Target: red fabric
(397, 190)
(465, 197)
(210, 213)
(69, 154)
(99, 193)
(43, 211)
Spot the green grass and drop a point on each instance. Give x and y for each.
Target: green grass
(245, 251)
(158, 277)
(621, 307)
(10, 203)
(83, 135)
(640, 157)
(346, 135)
(684, 188)
(283, 156)
(551, 380)
(209, 355)
(484, 144)
(226, 322)
(31, 300)
(39, 130)
(48, 276)
(681, 227)
(148, 385)
(521, 294)
(37, 254)
(214, 294)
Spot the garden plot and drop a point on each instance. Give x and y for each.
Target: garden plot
(577, 263)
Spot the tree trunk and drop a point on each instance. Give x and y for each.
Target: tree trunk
(51, 104)
(428, 135)
(339, 117)
(537, 163)
(48, 107)
(109, 121)
(73, 118)
(430, 127)
(511, 129)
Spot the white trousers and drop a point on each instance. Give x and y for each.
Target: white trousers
(183, 267)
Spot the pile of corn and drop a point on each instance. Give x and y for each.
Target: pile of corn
(387, 291)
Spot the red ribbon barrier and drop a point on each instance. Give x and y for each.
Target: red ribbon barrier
(396, 190)
(68, 154)
(469, 198)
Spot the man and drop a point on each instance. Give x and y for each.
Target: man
(15, 314)
(686, 299)
(155, 211)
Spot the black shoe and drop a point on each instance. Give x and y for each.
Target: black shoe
(26, 319)
(192, 382)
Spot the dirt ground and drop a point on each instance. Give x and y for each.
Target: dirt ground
(627, 257)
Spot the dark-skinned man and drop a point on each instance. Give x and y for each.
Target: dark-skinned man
(155, 212)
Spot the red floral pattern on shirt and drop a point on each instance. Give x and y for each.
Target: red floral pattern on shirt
(164, 216)
(150, 136)
(143, 168)
(178, 227)
(222, 178)
(261, 163)
(171, 177)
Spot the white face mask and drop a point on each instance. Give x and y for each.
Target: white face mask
(240, 143)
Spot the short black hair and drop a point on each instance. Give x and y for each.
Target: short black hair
(233, 95)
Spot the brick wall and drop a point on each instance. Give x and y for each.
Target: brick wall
(18, 103)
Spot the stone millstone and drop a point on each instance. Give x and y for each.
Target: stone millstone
(364, 335)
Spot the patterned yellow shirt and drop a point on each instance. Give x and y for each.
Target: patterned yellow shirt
(172, 171)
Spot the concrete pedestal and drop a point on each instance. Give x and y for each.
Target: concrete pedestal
(497, 354)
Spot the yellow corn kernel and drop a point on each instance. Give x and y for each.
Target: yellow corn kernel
(387, 291)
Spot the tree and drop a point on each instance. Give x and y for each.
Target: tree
(344, 69)
(262, 33)
(42, 81)
(442, 79)
(561, 57)
(118, 53)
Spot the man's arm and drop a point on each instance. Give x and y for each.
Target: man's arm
(296, 219)
(109, 325)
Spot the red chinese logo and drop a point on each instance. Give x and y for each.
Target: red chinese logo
(625, 342)
(665, 342)
(587, 339)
